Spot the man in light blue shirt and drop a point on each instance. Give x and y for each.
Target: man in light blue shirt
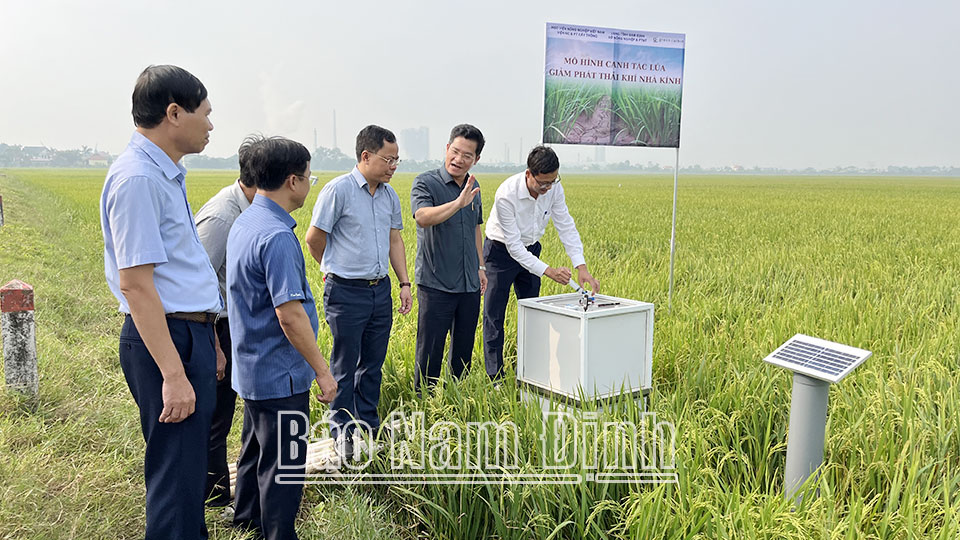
(156, 267)
(354, 235)
(273, 324)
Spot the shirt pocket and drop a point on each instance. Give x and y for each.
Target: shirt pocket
(543, 217)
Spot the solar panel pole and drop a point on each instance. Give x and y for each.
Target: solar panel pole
(816, 364)
(806, 432)
(673, 231)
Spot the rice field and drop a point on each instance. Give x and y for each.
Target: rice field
(871, 262)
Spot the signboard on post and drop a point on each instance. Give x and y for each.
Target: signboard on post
(605, 86)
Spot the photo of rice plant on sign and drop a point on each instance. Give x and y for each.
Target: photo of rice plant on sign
(612, 87)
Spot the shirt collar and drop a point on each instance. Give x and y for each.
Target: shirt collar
(359, 178)
(445, 176)
(275, 209)
(522, 191)
(240, 196)
(170, 169)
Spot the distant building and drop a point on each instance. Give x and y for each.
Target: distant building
(415, 143)
(37, 155)
(100, 159)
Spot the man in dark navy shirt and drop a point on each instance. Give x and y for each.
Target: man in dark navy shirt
(447, 208)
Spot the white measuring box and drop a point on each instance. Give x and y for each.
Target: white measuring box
(566, 352)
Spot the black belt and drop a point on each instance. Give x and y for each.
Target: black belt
(356, 282)
(199, 316)
(528, 248)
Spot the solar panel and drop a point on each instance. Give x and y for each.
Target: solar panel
(817, 358)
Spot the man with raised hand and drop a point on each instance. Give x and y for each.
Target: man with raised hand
(354, 235)
(157, 269)
(273, 323)
(522, 206)
(214, 220)
(447, 208)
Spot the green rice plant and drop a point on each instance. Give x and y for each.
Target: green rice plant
(564, 102)
(867, 261)
(497, 506)
(650, 117)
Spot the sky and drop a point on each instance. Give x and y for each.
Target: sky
(766, 83)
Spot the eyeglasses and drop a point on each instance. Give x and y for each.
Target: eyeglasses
(544, 185)
(312, 179)
(465, 156)
(391, 162)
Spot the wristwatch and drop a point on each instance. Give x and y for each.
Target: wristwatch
(404, 284)
(484, 268)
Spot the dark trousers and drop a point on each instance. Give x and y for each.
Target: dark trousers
(175, 463)
(502, 273)
(360, 318)
(218, 475)
(261, 502)
(440, 313)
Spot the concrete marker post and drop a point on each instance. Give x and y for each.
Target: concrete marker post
(19, 338)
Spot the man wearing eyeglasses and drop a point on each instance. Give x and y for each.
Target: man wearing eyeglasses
(354, 235)
(522, 206)
(273, 325)
(447, 208)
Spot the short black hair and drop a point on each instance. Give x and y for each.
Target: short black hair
(542, 159)
(274, 160)
(159, 86)
(468, 132)
(372, 139)
(245, 155)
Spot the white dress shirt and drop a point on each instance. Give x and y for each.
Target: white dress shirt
(518, 220)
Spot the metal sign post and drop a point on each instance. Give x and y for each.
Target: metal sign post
(673, 232)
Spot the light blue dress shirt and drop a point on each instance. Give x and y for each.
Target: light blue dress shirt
(146, 219)
(357, 225)
(265, 269)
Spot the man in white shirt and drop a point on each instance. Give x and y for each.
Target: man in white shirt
(523, 205)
